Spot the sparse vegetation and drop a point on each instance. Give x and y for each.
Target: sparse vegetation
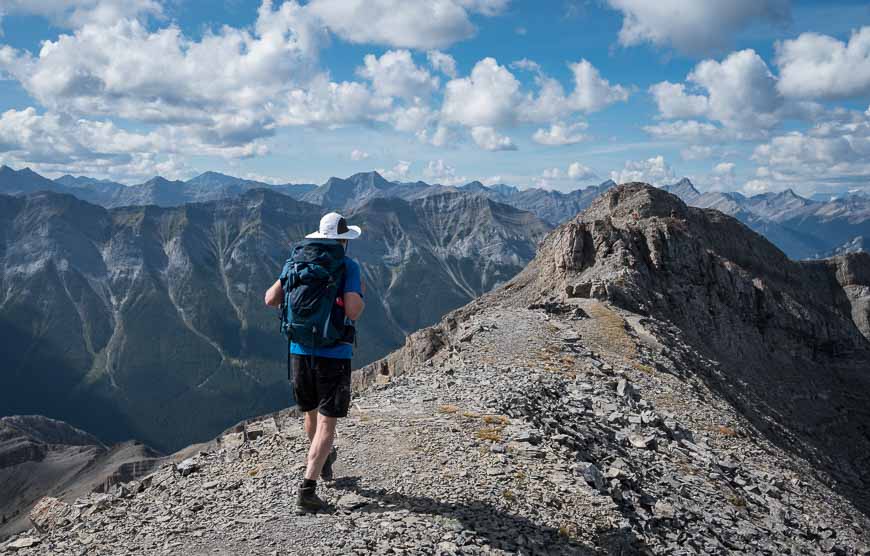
(496, 419)
(493, 434)
(447, 408)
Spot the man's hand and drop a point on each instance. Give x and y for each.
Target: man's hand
(275, 295)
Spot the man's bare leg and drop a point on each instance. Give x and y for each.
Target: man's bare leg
(321, 445)
(311, 424)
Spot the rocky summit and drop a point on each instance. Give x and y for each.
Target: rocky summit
(659, 380)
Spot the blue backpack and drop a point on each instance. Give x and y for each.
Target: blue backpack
(312, 280)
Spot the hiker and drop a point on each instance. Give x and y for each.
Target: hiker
(320, 292)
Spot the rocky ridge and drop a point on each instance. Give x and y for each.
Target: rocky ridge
(547, 417)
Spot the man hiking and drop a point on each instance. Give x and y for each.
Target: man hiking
(320, 292)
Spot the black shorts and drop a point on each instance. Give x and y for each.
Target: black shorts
(321, 383)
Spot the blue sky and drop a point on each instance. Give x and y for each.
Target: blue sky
(750, 95)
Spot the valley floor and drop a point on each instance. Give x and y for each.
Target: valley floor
(561, 430)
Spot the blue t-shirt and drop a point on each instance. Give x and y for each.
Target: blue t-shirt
(352, 283)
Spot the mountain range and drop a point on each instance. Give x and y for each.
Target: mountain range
(803, 228)
(148, 322)
(336, 193)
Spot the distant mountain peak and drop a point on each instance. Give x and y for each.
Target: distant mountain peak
(684, 189)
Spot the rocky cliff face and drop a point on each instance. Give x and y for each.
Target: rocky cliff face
(148, 322)
(581, 408)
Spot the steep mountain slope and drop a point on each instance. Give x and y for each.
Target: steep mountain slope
(586, 407)
(43, 457)
(148, 322)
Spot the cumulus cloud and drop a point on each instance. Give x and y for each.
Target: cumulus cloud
(489, 139)
(440, 172)
(551, 174)
(492, 97)
(399, 23)
(833, 151)
(579, 172)
(696, 26)
(741, 94)
(684, 130)
(358, 154)
(75, 13)
(399, 172)
(820, 66)
(126, 70)
(696, 152)
(561, 134)
(329, 104)
(55, 143)
(653, 170)
(673, 102)
(442, 62)
(395, 74)
(487, 97)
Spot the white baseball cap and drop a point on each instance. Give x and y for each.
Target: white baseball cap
(334, 226)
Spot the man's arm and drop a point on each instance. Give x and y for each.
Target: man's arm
(275, 295)
(353, 305)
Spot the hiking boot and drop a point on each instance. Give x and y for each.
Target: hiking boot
(326, 472)
(307, 501)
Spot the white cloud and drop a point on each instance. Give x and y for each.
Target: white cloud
(820, 66)
(415, 117)
(395, 74)
(551, 174)
(329, 104)
(442, 62)
(654, 171)
(836, 151)
(403, 24)
(358, 154)
(673, 102)
(685, 130)
(693, 26)
(442, 173)
(399, 172)
(741, 94)
(492, 95)
(489, 139)
(592, 92)
(742, 91)
(724, 168)
(580, 172)
(696, 152)
(53, 143)
(561, 134)
(488, 97)
(75, 13)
